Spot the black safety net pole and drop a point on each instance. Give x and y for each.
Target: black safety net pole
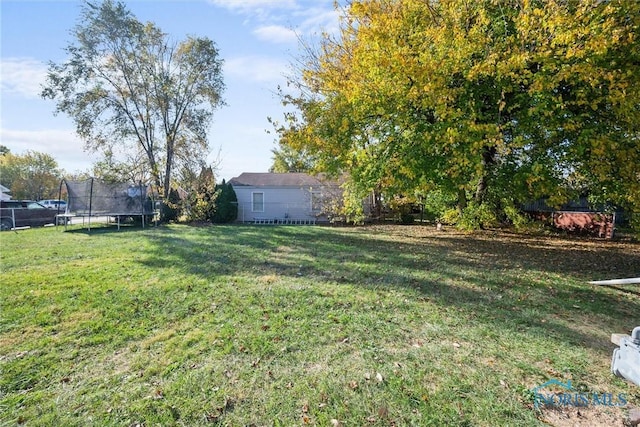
(58, 205)
(90, 203)
(141, 202)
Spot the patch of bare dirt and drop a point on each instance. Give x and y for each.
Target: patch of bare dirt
(592, 416)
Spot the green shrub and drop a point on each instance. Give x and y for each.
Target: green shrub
(473, 217)
(406, 217)
(519, 220)
(226, 204)
(172, 207)
(202, 198)
(634, 223)
(438, 204)
(450, 216)
(477, 216)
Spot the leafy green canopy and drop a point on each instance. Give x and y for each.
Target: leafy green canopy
(32, 175)
(127, 86)
(286, 160)
(491, 101)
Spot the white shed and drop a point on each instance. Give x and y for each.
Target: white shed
(284, 198)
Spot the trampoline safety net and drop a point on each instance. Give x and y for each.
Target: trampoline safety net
(93, 197)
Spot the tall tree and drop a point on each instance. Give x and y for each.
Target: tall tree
(492, 101)
(286, 159)
(129, 88)
(33, 175)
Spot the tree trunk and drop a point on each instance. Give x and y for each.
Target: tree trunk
(462, 200)
(154, 171)
(168, 167)
(488, 160)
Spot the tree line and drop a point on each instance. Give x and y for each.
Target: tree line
(33, 175)
(480, 105)
(37, 176)
(470, 107)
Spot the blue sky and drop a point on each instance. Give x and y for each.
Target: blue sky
(257, 40)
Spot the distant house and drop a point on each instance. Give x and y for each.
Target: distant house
(284, 198)
(4, 193)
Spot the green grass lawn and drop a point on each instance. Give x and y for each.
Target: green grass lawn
(281, 326)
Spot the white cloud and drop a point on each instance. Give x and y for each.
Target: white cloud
(318, 19)
(276, 34)
(307, 16)
(256, 68)
(22, 76)
(63, 145)
(255, 7)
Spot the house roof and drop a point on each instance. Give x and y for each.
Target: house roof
(259, 179)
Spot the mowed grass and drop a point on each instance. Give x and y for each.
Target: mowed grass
(281, 326)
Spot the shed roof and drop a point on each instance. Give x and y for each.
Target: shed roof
(260, 179)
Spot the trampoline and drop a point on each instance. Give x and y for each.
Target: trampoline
(92, 198)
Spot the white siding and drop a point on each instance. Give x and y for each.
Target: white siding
(280, 203)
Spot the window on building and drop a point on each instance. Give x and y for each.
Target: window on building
(316, 201)
(257, 202)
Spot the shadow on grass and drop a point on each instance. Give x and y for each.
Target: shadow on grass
(102, 228)
(628, 291)
(582, 259)
(512, 284)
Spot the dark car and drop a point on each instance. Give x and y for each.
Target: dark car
(23, 213)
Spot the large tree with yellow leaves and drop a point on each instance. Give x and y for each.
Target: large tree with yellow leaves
(492, 101)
